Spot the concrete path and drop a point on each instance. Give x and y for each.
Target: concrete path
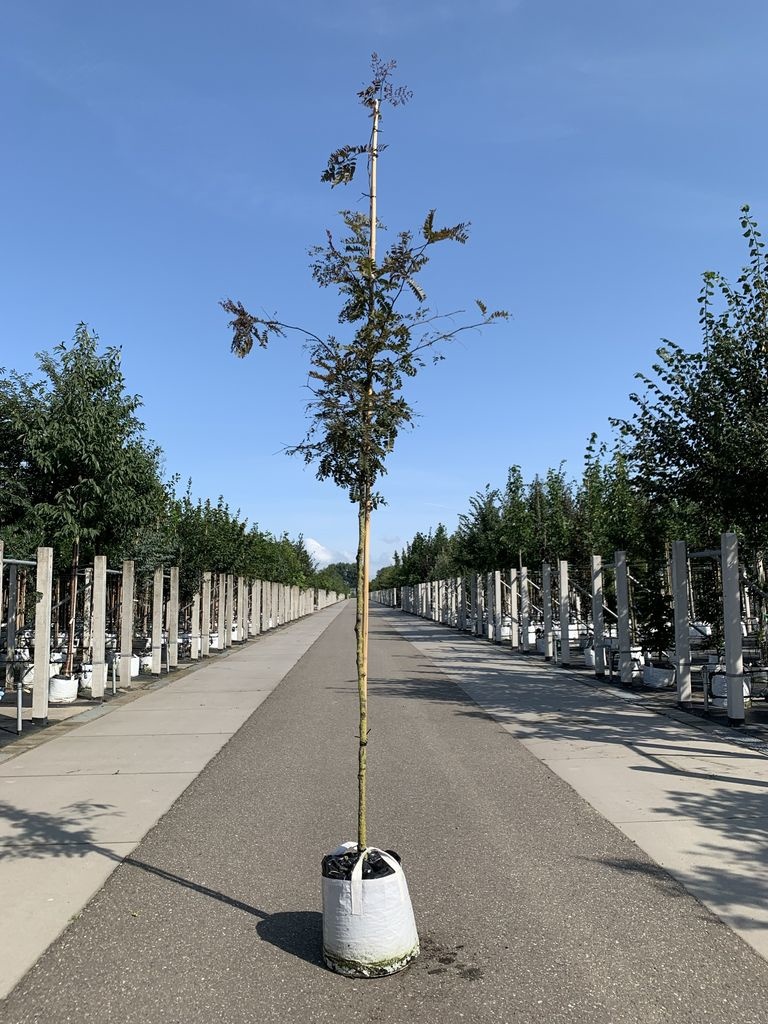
(696, 804)
(531, 906)
(72, 808)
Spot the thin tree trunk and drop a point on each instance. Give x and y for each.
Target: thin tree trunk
(361, 629)
(69, 665)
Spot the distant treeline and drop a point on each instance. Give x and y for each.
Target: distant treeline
(77, 473)
(689, 463)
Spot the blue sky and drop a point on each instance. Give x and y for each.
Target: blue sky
(159, 157)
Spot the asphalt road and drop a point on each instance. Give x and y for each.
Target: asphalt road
(530, 906)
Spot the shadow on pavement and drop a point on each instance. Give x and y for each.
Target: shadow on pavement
(41, 834)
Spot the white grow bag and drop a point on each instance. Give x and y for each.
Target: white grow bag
(62, 690)
(368, 926)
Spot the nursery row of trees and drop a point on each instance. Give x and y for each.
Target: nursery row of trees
(690, 461)
(78, 473)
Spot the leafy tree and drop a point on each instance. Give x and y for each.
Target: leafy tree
(480, 531)
(347, 571)
(86, 475)
(357, 407)
(698, 440)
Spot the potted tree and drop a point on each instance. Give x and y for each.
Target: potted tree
(356, 412)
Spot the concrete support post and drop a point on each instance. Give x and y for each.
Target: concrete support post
(205, 626)
(514, 610)
(10, 644)
(126, 622)
(8, 621)
(221, 618)
(157, 622)
(546, 604)
(622, 610)
(525, 610)
(734, 664)
(565, 626)
(497, 616)
(240, 615)
(98, 636)
(256, 606)
(682, 623)
(598, 615)
(42, 675)
(229, 609)
(173, 619)
(87, 608)
(194, 632)
(481, 605)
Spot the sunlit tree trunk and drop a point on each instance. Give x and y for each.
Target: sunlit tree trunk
(361, 629)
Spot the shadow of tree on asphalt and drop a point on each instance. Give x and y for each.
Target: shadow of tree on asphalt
(40, 834)
(699, 782)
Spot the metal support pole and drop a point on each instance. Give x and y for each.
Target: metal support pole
(622, 610)
(598, 616)
(682, 623)
(42, 676)
(565, 627)
(734, 664)
(546, 604)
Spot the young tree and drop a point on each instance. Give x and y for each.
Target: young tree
(357, 407)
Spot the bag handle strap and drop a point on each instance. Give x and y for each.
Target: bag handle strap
(356, 879)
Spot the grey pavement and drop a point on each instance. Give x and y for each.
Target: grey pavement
(73, 807)
(532, 906)
(691, 800)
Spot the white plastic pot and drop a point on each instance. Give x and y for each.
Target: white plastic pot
(368, 926)
(658, 678)
(62, 690)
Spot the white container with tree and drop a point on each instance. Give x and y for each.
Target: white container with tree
(356, 412)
